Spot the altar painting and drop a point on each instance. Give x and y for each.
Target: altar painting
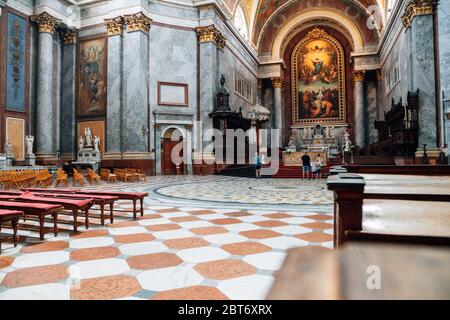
(92, 72)
(318, 84)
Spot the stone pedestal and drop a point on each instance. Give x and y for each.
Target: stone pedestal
(89, 156)
(433, 156)
(30, 160)
(2, 162)
(9, 160)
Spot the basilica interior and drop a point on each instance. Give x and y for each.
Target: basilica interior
(99, 95)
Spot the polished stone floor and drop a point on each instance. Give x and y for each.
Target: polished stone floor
(200, 238)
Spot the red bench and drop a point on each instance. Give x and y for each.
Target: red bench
(74, 206)
(100, 201)
(12, 217)
(41, 210)
(132, 196)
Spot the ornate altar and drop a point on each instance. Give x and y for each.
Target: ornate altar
(89, 150)
(294, 159)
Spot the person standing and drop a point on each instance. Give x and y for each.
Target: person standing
(319, 165)
(258, 165)
(306, 166)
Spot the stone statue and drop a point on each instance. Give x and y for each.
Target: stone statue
(97, 143)
(8, 148)
(333, 132)
(81, 144)
(347, 143)
(309, 133)
(29, 142)
(327, 132)
(88, 136)
(292, 142)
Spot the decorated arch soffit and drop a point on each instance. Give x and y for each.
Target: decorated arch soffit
(318, 80)
(273, 15)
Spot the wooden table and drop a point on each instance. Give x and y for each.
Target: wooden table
(12, 217)
(406, 272)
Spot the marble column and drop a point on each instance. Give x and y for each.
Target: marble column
(45, 142)
(68, 96)
(372, 112)
(278, 106)
(135, 113)
(358, 80)
(211, 41)
(115, 67)
(444, 52)
(418, 19)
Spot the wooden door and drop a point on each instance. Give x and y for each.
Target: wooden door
(168, 166)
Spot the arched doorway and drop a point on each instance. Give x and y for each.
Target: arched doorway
(171, 139)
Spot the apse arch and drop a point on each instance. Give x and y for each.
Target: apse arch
(304, 17)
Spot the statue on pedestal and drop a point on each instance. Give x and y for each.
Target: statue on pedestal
(9, 148)
(292, 142)
(97, 143)
(81, 144)
(333, 132)
(88, 136)
(29, 142)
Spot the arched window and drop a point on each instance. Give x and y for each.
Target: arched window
(240, 22)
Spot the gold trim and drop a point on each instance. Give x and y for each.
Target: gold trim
(138, 22)
(69, 37)
(277, 82)
(417, 8)
(359, 76)
(211, 34)
(114, 26)
(319, 34)
(46, 22)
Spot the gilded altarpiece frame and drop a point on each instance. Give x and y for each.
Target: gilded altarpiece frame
(318, 81)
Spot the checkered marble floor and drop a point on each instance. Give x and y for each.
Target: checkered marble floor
(185, 249)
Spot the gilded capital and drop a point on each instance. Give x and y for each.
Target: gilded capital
(46, 22)
(359, 76)
(277, 82)
(417, 8)
(138, 22)
(69, 36)
(211, 34)
(114, 26)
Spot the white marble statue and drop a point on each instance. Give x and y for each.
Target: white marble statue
(333, 132)
(88, 137)
(327, 132)
(8, 148)
(29, 142)
(97, 143)
(292, 142)
(81, 144)
(347, 142)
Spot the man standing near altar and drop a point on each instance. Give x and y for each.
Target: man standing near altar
(306, 166)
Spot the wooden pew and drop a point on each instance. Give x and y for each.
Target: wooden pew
(12, 217)
(395, 217)
(406, 273)
(72, 206)
(40, 210)
(131, 196)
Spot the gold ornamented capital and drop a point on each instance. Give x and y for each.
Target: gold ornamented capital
(211, 34)
(114, 26)
(359, 76)
(46, 22)
(69, 36)
(417, 8)
(278, 82)
(138, 22)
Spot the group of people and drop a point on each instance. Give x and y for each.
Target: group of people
(312, 169)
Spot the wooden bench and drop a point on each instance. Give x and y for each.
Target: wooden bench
(407, 273)
(12, 217)
(40, 210)
(131, 196)
(388, 216)
(72, 207)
